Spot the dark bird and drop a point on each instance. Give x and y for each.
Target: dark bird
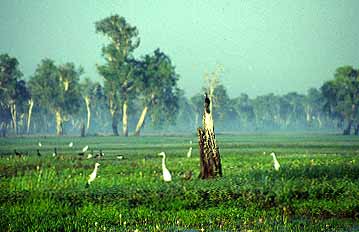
(81, 153)
(38, 152)
(100, 154)
(207, 103)
(17, 153)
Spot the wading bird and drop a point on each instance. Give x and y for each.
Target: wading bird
(17, 153)
(40, 144)
(99, 154)
(71, 144)
(55, 152)
(189, 153)
(166, 174)
(92, 176)
(276, 163)
(85, 149)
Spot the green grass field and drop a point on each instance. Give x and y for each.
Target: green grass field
(316, 189)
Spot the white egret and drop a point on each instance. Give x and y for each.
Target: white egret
(71, 144)
(120, 157)
(89, 156)
(189, 153)
(166, 174)
(40, 144)
(85, 149)
(92, 176)
(276, 163)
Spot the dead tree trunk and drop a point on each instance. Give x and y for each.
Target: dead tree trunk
(210, 158)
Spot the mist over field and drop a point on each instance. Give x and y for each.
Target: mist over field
(272, 64)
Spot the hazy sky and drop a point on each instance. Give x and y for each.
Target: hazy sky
(264, 45)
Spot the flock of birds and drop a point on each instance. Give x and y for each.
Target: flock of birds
(167, 177)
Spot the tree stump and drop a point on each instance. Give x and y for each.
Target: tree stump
(210, 158)
(83, 130)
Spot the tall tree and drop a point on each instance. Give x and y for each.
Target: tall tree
(57, 88)
(118, 72)
(10, 75)
(89, 92)
(342, 95)
(245, 111)
(158, 89)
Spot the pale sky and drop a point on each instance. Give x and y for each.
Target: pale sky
(264, 45)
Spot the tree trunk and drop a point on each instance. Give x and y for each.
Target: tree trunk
(3, 127)
(319, 121)
(141, 120)
(87, 101)
(83, 130)
(348, 129)
(31, 104)
(13, 117)
(210, 160)
(124, 119)
(114, 123)
(356, 131)
(196, 119)
(59, 122)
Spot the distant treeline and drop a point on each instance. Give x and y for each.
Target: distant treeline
(142, 94)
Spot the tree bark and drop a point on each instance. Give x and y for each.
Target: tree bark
(83, 130)
(141, 120)
(348, 129)
(356, 131)
(59, 122)
(87, 101)
(114, 123)
(13, 117)
(210, 160)
(31, 104)
(3, 127)
(124, 119)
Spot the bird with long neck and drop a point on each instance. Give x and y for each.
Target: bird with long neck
(166, 174)
(93, 175)
(276, 163)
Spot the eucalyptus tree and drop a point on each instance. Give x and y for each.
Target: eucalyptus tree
(223, 107)
(23, 105)
(10, 84)
(117, 71)
(297, 108)
(342, 96)
(158, 89)
(266, 110)
(314, 104)
(244, 107)
(196, 102)
(186, 113)
(58, 89)
(89, 92)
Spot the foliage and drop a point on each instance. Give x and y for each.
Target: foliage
(342, 95)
